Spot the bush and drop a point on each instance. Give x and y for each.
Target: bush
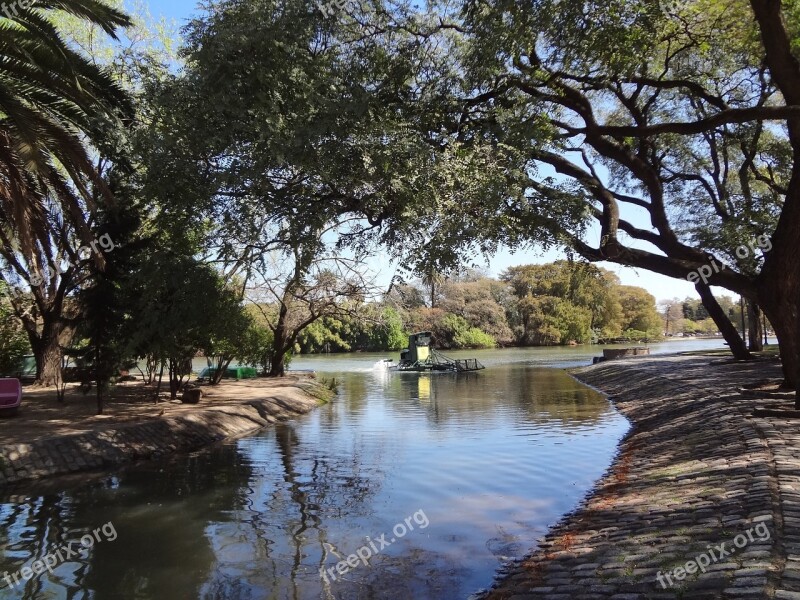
(474, 338)
(452, 331)
(13, 340)
(635, 335)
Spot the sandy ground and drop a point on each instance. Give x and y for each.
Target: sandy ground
(42, 416)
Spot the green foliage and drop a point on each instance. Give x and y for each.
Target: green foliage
(13, 340)
(370, 328)
(326, 335)
(636, 335)
(55, 103)
(453, 332)
(474, 338)
(385, 333)
(256, 348)
(477, 301)
(639, 311)
(563, 302)
(551, 304)
(394, 335)
(183, 307)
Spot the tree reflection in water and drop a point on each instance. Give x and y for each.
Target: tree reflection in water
(492, 458)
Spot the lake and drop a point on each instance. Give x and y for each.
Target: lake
(428, 482)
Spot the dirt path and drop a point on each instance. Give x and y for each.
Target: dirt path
(48, 439)
(42, 416)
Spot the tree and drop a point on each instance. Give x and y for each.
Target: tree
(256, 349)
(671, 314)
(476, 302)
(13, 341)
(104, 302)
(639, 311)
(723, 321)
(656, 101)
(433, 280)
(389, 333)
(84, 86)
(181, 307)
(404, 297)
(54, 98)
(550, 321)
(580, 289)
(227, 336)
(452, 331)
(612, 107)
(298, 287)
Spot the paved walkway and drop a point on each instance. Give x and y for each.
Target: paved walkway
(703, 500)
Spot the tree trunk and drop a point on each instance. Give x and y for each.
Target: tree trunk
(280, 342)
(755, 327)
(779, 281)
(48, 354)
(279, 351)
(221, 368)
(724, 324)
(280, 346)
(175, 378)
(784, 318)
(100, 383)
(160, 378)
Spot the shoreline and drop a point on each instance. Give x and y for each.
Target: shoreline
(696, 470)
(186, 428)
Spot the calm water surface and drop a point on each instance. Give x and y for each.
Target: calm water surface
(482, 464)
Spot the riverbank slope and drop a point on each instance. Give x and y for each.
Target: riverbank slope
(49, 439)
(695, 472)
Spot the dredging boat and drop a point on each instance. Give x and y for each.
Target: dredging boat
(420, 357)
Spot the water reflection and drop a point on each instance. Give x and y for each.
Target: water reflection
(539, 395)
(159, 514)
(493, 458)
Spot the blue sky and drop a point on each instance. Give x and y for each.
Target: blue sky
(180, 10)
(661, 287)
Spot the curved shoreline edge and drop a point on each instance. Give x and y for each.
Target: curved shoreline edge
(696, 470)
(154, 438)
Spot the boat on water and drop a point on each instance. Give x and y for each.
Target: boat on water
(420, 357)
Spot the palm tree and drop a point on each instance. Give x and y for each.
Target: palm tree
(54, 104)
(52, 100)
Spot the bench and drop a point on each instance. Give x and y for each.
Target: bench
(10, 396)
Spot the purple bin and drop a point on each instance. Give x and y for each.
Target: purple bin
(10, 396)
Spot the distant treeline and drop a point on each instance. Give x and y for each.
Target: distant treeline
(534, 305)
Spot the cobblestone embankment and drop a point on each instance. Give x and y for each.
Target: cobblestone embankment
(695, 471)
(118, 444)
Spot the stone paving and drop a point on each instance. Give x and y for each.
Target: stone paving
(154, 438)
(695, 472)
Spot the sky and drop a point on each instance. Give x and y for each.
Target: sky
(659, 286)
